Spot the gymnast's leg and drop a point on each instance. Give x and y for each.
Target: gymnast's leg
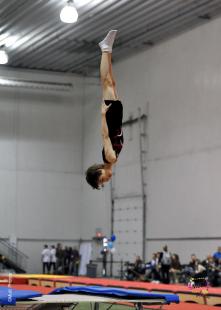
(106, 74)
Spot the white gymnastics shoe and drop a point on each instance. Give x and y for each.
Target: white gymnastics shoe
(107, 44)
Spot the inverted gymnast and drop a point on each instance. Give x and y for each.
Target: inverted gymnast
(111, 118)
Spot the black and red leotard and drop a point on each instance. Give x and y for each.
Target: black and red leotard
(114, 118)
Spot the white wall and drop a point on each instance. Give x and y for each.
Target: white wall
(40, 164)
(181, 81)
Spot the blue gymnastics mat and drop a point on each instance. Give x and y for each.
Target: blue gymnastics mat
(115, 292)
(9, 296)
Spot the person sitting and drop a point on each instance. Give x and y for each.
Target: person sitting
(175, 268)
(193, 264)
(152, 272)
(138, 265)
(217, 255)
(198, 276)
(136, 270)
(210, 265)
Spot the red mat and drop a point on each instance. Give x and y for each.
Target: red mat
(130, 284)
(23, 279)
(68, 280)
(185, 306)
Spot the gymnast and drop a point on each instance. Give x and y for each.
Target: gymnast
(111, 118)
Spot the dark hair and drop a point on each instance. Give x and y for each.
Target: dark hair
(92, 175)
(165, 248)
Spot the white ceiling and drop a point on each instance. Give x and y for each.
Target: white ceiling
(35, 38)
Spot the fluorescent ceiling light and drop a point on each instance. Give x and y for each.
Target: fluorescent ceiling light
(6, 39)
(10, 40)
(3, 57)
(69, 13)
(37, 85)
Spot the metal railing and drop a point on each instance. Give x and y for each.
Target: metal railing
(109, 268)
(13, 255)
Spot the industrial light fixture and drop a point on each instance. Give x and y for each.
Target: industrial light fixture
(34, 84)
(3, 56)
(69, 13)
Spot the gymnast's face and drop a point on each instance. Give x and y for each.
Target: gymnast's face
(105, 176)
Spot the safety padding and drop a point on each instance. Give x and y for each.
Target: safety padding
(115, 292)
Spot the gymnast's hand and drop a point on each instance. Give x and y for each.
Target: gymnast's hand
(104, 108)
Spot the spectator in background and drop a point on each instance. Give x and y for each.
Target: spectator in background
(136, 270)
(158, 265)
(59, 259)
(76, 261)
(193, 263)
(53, 259)
(200, 270)
(46, 255)
(210, 266)
(197, 269)
(138, 264)
(217, 255)
(218, 273)
(152, 269)
(175, 268)
(67, 258)
(69, 261)
(139, 267)
(189, 269)
(165, 260)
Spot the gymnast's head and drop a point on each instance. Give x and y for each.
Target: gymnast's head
(97, 175)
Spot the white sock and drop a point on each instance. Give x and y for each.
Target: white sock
(107, 43)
